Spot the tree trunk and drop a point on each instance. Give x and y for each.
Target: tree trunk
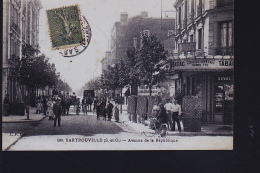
(150, 90)
(121, 100)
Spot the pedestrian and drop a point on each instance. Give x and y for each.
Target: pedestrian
(50, 108)
(109, 110)
(6, 105)
(176, 112)
(162, 119)
(168, 106)
(26, 105)
(57, 110)
(116, 112)
(84, 106)
(156, 107)
(38, 106)
(44, 104)
(98, 109)
(94, 105)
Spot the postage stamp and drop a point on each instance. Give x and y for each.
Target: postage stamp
(70, 33)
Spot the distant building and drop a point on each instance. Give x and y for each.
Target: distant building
(106, 61)
(203, 60)
(20, 25)
(128, 32)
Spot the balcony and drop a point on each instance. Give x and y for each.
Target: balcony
(15, 27)
(223, 51)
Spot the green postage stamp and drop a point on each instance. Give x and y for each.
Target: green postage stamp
(65, 27)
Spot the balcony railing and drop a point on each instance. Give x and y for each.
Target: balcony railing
(224, 51)
(15, 27)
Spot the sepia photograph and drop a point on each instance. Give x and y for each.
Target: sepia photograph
(117, 75)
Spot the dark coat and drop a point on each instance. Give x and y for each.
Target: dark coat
(109, 108)
(57, 109)
(162, 116)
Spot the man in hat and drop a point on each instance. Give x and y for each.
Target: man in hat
(57, 110)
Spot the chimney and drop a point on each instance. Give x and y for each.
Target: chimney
(144, 14)
(124, 18)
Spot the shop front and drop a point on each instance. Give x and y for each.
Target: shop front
(211, 81)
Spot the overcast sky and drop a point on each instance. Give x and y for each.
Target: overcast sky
(101, 15)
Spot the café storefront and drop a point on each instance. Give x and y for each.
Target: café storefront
(212, 80)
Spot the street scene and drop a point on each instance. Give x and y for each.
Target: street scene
(128, 75)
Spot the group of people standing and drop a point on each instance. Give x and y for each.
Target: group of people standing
(168, 113)
(107, 110)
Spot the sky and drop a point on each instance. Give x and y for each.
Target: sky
(101, 15)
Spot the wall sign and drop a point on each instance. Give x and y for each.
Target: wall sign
(203, 64)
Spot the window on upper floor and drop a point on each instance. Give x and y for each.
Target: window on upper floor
(200, 39)
(146, 32)
(191, 38)
(225, 44)
(170, 32)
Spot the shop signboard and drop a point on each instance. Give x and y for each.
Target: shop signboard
(203, 64)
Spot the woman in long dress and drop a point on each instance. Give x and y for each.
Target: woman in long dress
(50, 109)
(116, 112)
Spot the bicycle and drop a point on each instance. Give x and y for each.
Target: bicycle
(158, 127)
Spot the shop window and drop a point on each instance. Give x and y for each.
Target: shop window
(196, 86)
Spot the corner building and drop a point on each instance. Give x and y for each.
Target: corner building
(203, 59)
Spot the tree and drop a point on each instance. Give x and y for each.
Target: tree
(148, 60)
(132, 75)
(63, 86)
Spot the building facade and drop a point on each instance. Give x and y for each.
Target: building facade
(128, 32)
(20, 25)
(203, 59)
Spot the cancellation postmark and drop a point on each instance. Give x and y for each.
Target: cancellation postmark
(70, 32)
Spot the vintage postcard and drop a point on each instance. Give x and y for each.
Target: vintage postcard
(117, 75)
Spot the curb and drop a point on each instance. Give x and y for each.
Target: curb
(14, 142)
(185, 133)
(25, 121)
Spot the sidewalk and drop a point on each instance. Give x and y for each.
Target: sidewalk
(33, 117)
(206, 130)
(11, 138)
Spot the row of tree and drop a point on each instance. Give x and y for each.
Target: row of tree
(34, 71)
(141, 67)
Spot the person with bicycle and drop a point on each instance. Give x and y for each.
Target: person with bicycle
(162, 120)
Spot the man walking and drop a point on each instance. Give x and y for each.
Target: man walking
(109, 110)
(57, 110)
(176, 111)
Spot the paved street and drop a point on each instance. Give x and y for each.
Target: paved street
(71, 124)
(84, 132)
